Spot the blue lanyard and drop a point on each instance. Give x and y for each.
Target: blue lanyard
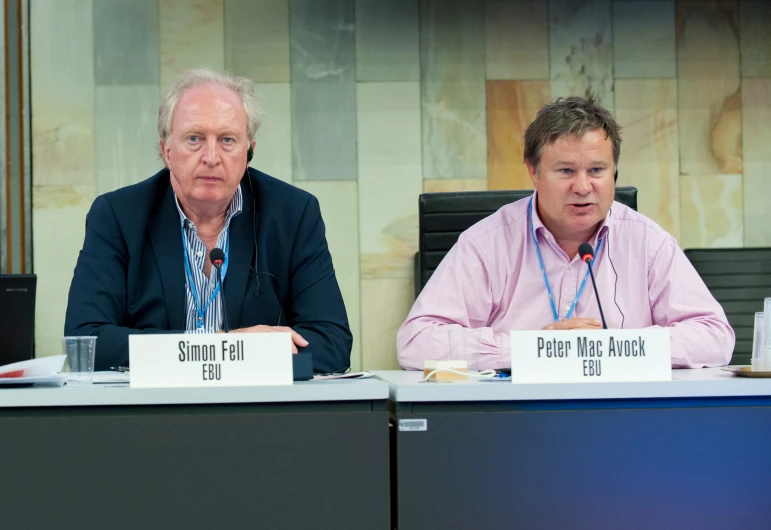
(191, 280)
(546, 278)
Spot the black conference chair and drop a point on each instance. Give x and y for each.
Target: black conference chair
(738, 278)
(443, 216)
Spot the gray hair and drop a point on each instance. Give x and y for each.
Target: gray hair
(202, 77)
(566, 117)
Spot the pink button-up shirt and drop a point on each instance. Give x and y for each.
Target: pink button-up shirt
(490, 283)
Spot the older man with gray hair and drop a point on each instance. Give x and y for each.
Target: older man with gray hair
(145, 265)
(519, 268)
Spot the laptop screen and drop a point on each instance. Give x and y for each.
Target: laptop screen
(17, 325)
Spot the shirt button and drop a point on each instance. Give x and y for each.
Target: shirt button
(199, 253)
(570, 268)
(567, 308)
(211, 286)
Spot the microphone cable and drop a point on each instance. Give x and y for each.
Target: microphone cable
(615, 285)
(253, 270)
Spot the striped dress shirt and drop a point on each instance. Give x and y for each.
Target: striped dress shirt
(196, 252)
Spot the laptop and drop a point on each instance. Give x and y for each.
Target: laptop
(17, 323)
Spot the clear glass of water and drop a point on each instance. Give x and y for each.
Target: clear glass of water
(758, 344)
(765, 349)
(80, 359)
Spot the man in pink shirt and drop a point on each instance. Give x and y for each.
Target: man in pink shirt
(519, 268)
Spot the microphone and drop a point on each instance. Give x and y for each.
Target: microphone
(586, 252)
(217, 258)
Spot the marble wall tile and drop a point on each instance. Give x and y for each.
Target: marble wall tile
(711, 211)
(339, 208)
(273, 150)
(709, 100)
(387, 40)
(511, 107)
(756, 111)
(389, 177)
(192, 36)
(385, 304)
(647, 112)
(755, 34)
(126, 135)
(126, 42)
(257, 39)
(450, 185)
(323, 90)
(581, 49)
(644, 39)
(517, 39)
(62, 92)
(452, 52)
(57, 210)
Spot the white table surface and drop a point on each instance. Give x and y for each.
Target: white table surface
(406, 386)
(100, 395)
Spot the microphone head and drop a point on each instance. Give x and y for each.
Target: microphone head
(217, 257)
(586, 252)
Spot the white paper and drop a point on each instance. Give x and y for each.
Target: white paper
(351, 375)
(38, 380)
(111, 377)
(34, 367)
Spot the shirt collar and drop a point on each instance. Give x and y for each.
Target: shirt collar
(540, 228)
(236, 204)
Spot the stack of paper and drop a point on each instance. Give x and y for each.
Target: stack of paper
(42, 371)
(110, 377)
(351, 375)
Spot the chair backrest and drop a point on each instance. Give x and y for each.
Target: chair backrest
(443, 216)
(738, 278)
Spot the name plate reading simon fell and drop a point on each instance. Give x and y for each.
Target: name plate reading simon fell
(580, 356)
(210, 359)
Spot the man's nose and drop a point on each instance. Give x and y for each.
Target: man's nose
(582, 183)
(211, 153)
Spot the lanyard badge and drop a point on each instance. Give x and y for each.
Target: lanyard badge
(572, 307)
(201, 311)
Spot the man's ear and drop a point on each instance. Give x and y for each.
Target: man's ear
(533, 172)
(164, 152)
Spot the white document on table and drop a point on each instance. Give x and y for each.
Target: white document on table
(111, 377)
(40, 371)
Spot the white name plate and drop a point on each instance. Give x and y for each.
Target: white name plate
(580, 356)
(210, 359)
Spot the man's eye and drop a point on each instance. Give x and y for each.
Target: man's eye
(228, 140)
(193, 138)
(566, 171)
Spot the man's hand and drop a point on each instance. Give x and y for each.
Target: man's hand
(297, 340)
(575, 323)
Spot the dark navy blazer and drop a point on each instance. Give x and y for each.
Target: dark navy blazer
(130, 275)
